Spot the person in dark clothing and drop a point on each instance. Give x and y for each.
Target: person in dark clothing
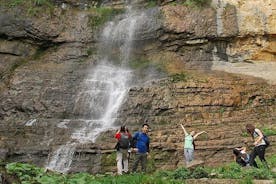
(141, 148)
(241, 157)
(189, 145)
(259, 145)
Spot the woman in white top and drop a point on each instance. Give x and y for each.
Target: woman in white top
(259, 145)
(189, 144)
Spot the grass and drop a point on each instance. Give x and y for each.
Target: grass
(268, 131)
(30, 174)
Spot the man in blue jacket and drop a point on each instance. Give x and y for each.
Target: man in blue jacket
(142, 148)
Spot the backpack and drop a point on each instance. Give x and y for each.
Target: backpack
(124, 141)
(267, 142)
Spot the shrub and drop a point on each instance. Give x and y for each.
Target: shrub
(179, 77)
(199, 172)
(197, 3)
(25, 172)
(181, 173)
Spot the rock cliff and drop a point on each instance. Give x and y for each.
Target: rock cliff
(46, 53)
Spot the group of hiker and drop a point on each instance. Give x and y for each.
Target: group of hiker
(139, 144)
(260, 143)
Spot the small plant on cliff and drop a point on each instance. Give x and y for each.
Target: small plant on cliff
(197, 3)
(41, 2)
(145, 65)
(151, 3)
(11, 3)
(32, 7)
(139, 63)
(102, 15)
(179, 77)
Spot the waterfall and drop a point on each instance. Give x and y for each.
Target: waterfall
(105, 87)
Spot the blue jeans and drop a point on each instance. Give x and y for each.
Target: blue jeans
(189, 155)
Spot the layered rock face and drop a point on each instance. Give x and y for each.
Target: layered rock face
(256, 25)
(220, 104)
(45, 59)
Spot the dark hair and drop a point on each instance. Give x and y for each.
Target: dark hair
(123, 128)
(236, 152)
(250, 129)
(145, 124)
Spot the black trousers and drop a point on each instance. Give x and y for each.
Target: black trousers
(260, 152)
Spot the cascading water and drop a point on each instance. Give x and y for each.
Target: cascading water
(105, 87)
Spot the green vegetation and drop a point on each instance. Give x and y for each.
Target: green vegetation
(13, 3)
(101, 15)
(197, 3)
(33, 7)
(268, 131)
(151, 3)
(143, 64)
(222, 110)
(109, 159)
(192, 3)
(39, 53)
(28, 174)
(91, 51)
(179, 77)
(139, 63)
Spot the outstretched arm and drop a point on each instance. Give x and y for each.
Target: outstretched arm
(199, 133)
(184, 130)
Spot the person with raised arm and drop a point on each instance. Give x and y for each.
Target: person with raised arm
(189, 146)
